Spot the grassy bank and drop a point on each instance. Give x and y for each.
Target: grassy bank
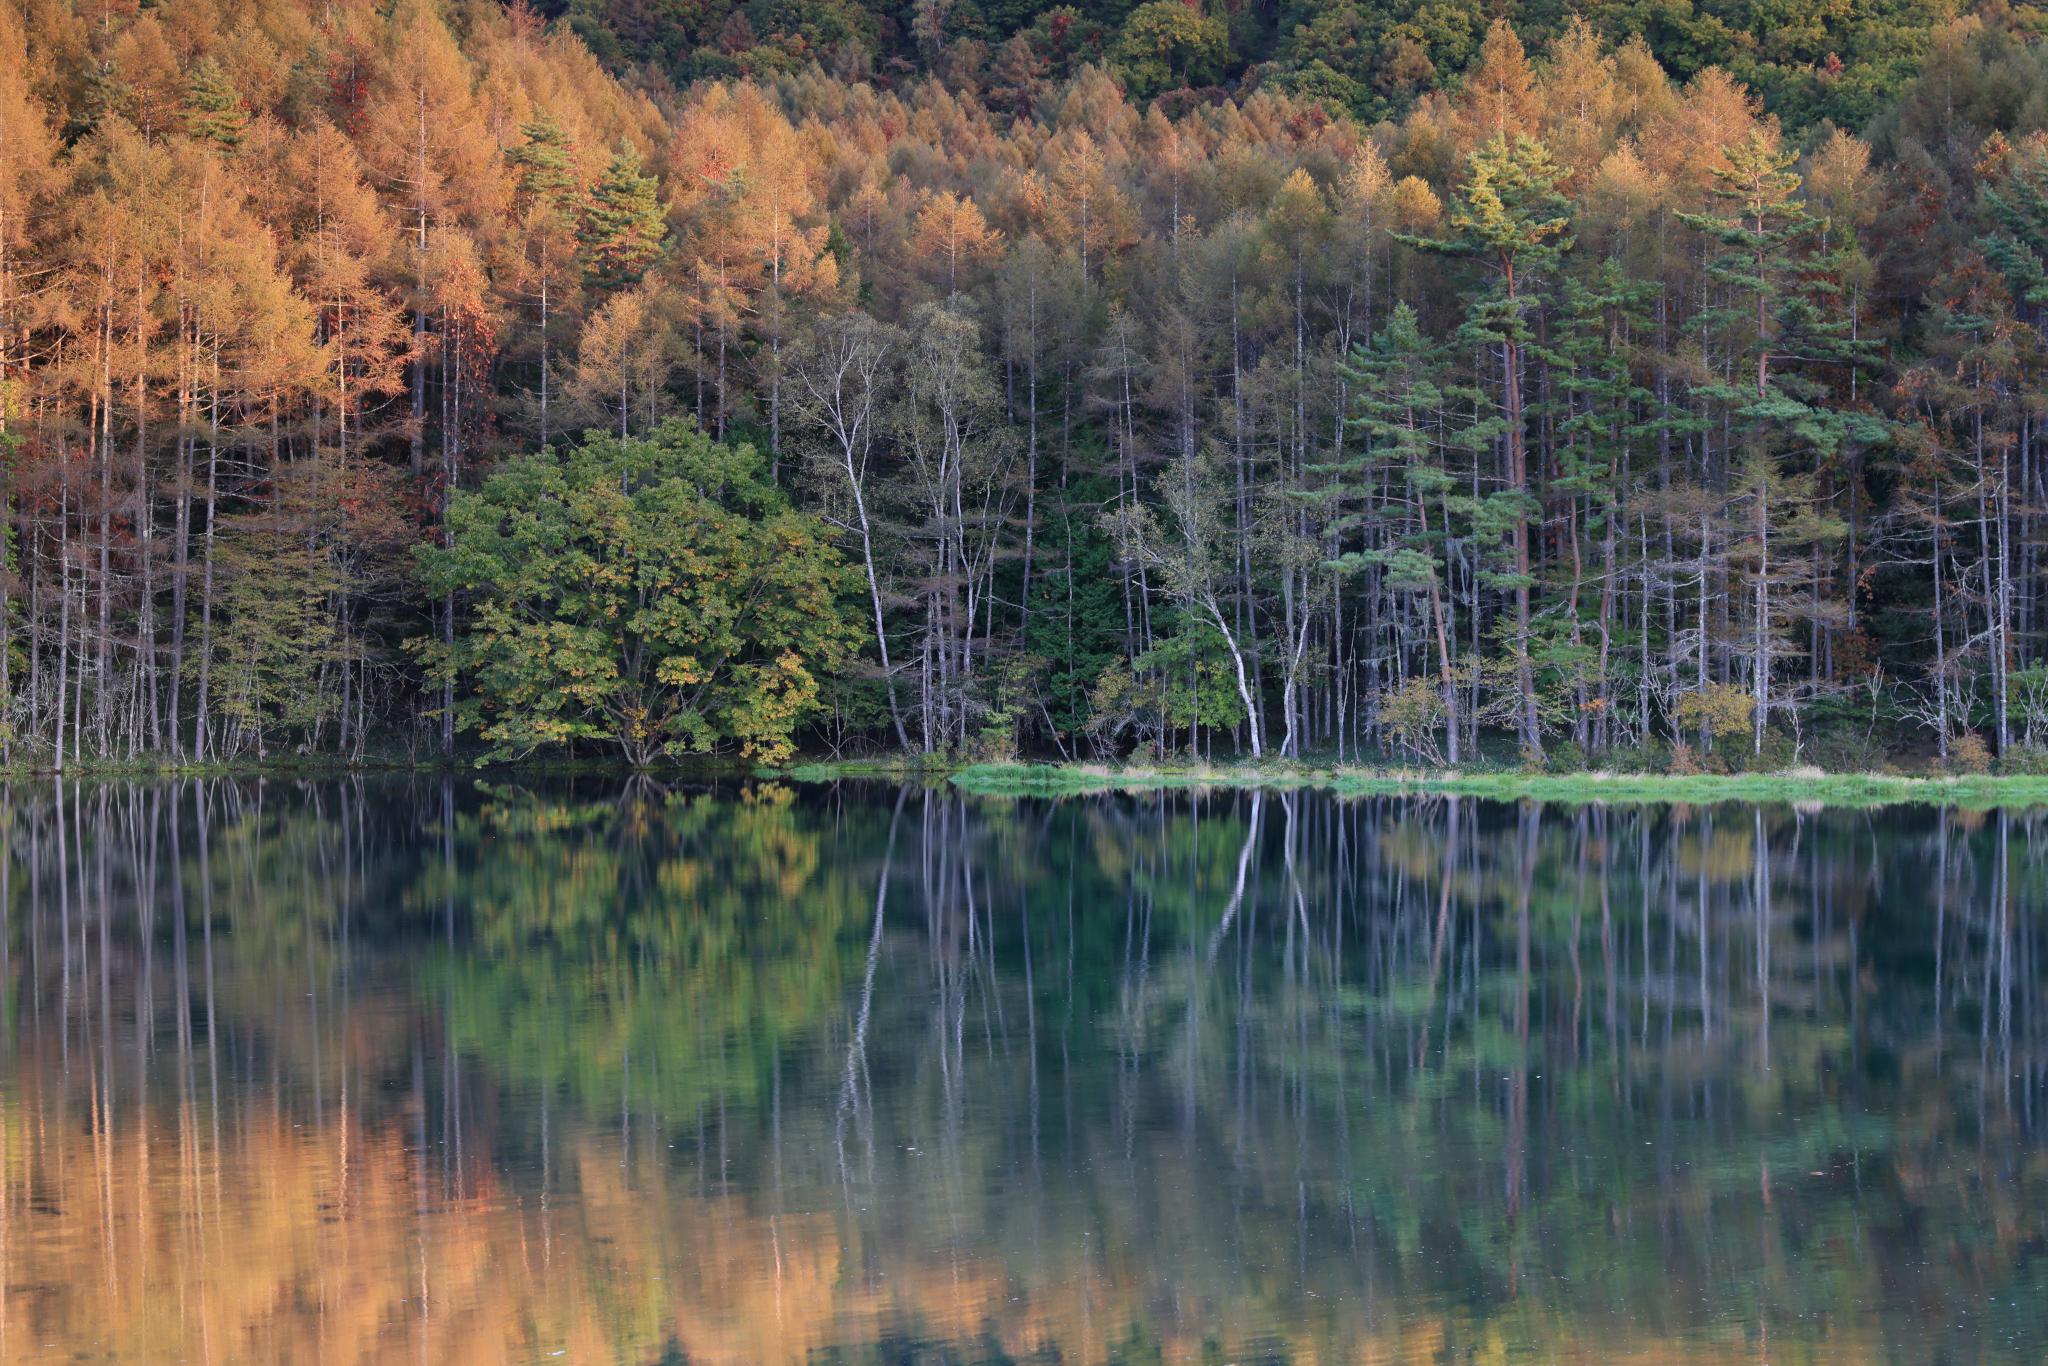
(1803, 785)
(163, 768)
(1797, 785)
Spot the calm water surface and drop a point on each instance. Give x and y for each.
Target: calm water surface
(594, 1071)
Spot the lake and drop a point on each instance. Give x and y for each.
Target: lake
(603, 1070)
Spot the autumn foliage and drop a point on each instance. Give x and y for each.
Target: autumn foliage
(1696, 390)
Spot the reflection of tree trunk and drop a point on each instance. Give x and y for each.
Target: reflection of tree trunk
(1244, 859)
(1518, 1095)
(1940, 930)
(1443, 925)
(1700, 910)
(1761, 896)
(856, 1047)
(1608, 967)
(2002, 895)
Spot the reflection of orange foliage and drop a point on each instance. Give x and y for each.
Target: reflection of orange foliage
(149, 1242)
(345, 1242)
(288, 1244)
(284, 1244)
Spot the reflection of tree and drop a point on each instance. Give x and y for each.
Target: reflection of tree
(657, 953)
(365, 1071)
(1675, 1009)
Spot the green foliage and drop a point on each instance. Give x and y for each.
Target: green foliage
(1605, 412)
(1077, 620)
(2024, 761)
(213, 110)
(545, 162)
(2017, 204)
(1783, 308)
(1377, 56)
(1511, 217)
(623, 230)
(275, 639)
(1183, 681)
(1810, 64)
(1166, 44)
(2027, 704)
(656, 595)
(1844, 749)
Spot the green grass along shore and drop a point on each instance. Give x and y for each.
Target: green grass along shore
(1806, 785)
(1801, 785)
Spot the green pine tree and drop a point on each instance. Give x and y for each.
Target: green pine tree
(2018, 243)
(213, 110)
(1603, 419)
(1400, 403)
(1781, 313)
(545, 162)
(623, 230)
(1511, 219)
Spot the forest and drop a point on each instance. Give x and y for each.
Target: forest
(1655, 385)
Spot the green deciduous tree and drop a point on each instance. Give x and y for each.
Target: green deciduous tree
(656, 594)
(1166, 44)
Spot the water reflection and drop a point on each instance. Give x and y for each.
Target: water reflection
(460, 1071)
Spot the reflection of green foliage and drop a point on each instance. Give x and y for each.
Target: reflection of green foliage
(1710, 1113)
(666, 948)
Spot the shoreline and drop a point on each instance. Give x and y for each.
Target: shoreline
(1800, 786)
(1975, 791)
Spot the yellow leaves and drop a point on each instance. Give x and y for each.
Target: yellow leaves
(1721, 709)
(1840, 183)
(749, 190)
(1414, 205)
(1298, 203)
(1367, 184)
(1624, 190)
(950, 234)
(1499, 96)
(1714, 113)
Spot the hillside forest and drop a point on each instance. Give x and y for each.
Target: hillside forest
(1652, 385)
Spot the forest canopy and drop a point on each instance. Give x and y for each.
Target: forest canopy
(1640, 384)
